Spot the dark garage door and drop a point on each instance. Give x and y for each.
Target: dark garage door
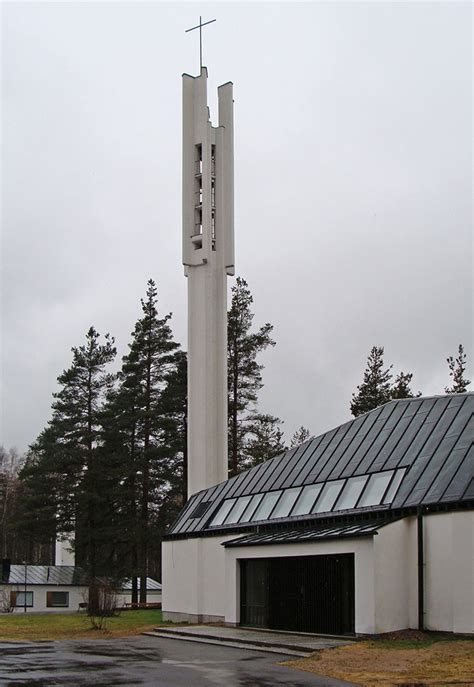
(302, 594)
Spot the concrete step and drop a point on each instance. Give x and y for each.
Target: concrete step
(278, 642)
(233, 643)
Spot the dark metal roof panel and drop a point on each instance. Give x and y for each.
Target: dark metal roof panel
(66, 575)
(309, 534)
(362, 427)
(317, 458)
(442, 461)
(294, 466)
(459, 483)
(407, 422)
(431, 437)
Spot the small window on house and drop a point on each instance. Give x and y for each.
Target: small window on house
(57, 599)
(200, 509)
(351, 492)
(328, 496)
(375, 489)
(248, 512)
(286, 502)
(391, 493)
(238, 509)
(18, 599)
(266, 506)
(306, 500)
(222, 513)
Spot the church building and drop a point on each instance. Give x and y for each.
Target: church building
(367, 528)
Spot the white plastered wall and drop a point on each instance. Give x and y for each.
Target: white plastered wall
(64, 552)
(77, 595)
(194, 579)
(200, 576)
(395, 576)
(449, 571)
(153, 596)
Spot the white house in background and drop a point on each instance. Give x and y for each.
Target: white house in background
(54, 588)
(367, 528)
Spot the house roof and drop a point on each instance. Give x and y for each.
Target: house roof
(151, 585)
(47, 575)
(64, 575)
(404, 454)
(362, 529)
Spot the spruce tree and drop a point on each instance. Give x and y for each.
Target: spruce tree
(244, 372)
(301, 435)
(375, 389)
(457, 368)
(401, 386)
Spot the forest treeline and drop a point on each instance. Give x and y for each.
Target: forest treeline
(109, 468)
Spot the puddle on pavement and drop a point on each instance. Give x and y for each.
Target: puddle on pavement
(118, 652)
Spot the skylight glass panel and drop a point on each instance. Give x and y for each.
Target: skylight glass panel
(248, 512)
(375, 489)
(223, 511)
(266, 507)
(307, 497)
(286, 502)
(394, 486)
(328, 496)
(351, 492)
(239, 507)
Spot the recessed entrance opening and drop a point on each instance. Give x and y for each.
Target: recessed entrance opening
(299, 594)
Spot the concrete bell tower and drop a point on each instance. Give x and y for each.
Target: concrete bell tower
(208, 257)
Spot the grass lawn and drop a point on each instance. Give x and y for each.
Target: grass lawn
(429, 660)
(34, 626)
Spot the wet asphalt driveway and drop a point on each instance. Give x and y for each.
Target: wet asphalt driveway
(145, 661)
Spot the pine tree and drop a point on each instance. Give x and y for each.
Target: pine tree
(265, 440)
(301, 435)
(143, 378)
(175, 434)
(46, 489)
(457, 368)
(401, 386)
(244, 372)
(375, 389)
(65, 466)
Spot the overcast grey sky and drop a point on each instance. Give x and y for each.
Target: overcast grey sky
(352, 185)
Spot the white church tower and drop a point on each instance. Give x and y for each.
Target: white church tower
(208, 257)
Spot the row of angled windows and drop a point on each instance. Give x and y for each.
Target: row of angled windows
(342, 494)
(26, 599)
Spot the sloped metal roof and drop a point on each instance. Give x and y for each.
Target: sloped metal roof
(431, 439)
(47, 574)
(64, 575)
(151, 585)
(310, 534)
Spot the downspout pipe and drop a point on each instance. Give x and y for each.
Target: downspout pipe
(421, 571)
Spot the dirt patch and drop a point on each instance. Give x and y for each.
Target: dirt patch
(408, 635)
(372, 662)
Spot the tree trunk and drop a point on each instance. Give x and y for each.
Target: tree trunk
(235, 385)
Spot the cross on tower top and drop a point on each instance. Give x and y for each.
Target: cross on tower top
(199, 26)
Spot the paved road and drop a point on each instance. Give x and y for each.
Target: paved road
(149, 661)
